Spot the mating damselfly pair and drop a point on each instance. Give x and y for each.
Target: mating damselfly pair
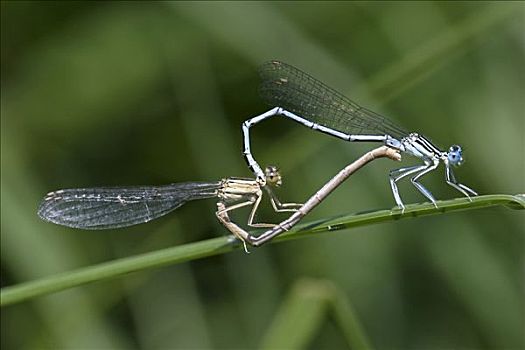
(295, 95)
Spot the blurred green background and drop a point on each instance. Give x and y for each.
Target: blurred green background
(127, 93)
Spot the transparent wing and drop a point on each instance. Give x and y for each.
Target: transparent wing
(285, 86)
(114, 207)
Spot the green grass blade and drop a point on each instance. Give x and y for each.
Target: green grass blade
(299, 317)
(311, 303)
(348, 321)
(192, 251)
(411, 211)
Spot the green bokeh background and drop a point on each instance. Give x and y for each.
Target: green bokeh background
(121, 93)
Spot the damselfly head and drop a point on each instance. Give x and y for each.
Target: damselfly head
(273, 176)
(455, 155)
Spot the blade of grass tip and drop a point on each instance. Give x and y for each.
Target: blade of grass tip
(347, 320)
(516, 202)
(299, 317)
(311, 303)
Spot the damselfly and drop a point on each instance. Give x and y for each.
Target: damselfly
(114, 207)
(300, 97)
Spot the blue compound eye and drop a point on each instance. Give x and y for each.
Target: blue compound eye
(454, 155)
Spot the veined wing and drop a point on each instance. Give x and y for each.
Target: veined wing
(296, 91)
(114, 207)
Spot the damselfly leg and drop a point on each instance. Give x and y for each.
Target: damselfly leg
(420, 187)
(451, 180)
(398, 174)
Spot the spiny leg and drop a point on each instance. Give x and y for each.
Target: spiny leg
(240, 233)
(252, 215)
(235, 206)
(255, 203)
(420, 187)
(278, 206)
(396, 175)
(222, 215)
(451, 180)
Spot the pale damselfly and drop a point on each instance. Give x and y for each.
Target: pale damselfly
(115, 207)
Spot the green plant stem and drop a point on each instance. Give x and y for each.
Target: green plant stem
(309, 304)
(192, 251)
